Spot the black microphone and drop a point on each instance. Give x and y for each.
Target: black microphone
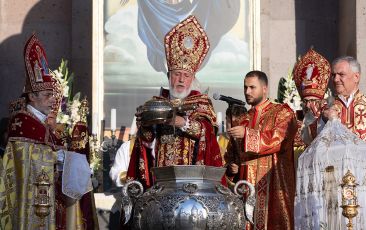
(229, 100)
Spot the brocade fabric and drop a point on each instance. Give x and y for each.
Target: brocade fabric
(266, 160)
(196, 145)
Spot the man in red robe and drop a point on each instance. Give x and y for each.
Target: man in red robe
(265, 155)
(189, 138)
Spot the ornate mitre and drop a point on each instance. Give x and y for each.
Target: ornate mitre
(311, 75)
(186, 45)
(38, 74)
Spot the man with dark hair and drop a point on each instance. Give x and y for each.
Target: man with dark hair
(265, 157)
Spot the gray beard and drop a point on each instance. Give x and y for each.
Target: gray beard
(181, 95)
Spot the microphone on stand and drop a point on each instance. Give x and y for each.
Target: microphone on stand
(227, 99)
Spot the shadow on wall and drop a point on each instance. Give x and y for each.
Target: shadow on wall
(317, 26)
(50, 20)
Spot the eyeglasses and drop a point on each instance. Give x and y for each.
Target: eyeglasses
(311, 100)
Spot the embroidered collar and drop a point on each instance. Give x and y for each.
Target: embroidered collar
(347, 101)
(261, 105)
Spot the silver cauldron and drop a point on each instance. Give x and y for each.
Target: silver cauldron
(156, 111)
(159, 111)
(187, 197)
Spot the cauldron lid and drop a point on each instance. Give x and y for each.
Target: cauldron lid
(184, 172)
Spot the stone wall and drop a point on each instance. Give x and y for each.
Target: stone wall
(361, 39)
(64, 28)
(278, 39)
(288, 29)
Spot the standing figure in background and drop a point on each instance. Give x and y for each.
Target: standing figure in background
(31, 150)
(87, 217)
(315, 68)
(189, 138)
(119, 168)
(267, 133)
(232, 116)
(349, 104)
(312, 94)
(75, 209)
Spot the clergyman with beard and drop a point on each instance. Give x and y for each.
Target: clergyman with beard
(189, 138)
(267, 133)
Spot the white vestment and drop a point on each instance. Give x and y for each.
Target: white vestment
(76, 175)
(318, 191)
(120, 164)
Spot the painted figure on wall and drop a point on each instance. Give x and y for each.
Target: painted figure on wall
(134, 48)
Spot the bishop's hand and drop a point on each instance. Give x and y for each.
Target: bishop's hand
(179, 122)
(331, 113)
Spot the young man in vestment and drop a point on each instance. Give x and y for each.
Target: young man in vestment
(189, 138)
(265, 157)
(31, 150)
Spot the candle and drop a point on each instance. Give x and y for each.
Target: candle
(95, 123)
(133, 126)
(219, 121)
(113, 119)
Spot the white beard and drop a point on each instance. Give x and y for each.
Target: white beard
(181, 95)
(194, 86)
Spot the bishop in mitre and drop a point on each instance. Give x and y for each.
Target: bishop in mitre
(334, 151)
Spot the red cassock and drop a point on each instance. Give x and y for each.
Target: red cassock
(196, 145)
(267, 161)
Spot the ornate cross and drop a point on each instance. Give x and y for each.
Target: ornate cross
(16, 123)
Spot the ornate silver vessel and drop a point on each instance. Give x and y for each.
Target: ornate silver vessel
(156, 111)
(159, 111)
(187, 197)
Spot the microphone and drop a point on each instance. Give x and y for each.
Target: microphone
(227, 99)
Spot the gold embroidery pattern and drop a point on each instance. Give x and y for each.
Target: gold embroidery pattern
(142, 168)
(194, 128)
(186, 46)
(147, 135)
(187, 159)
(271, 168)
(23, 162)
(354, 117)
(80, 144)
(252, 138)
(315, 82)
